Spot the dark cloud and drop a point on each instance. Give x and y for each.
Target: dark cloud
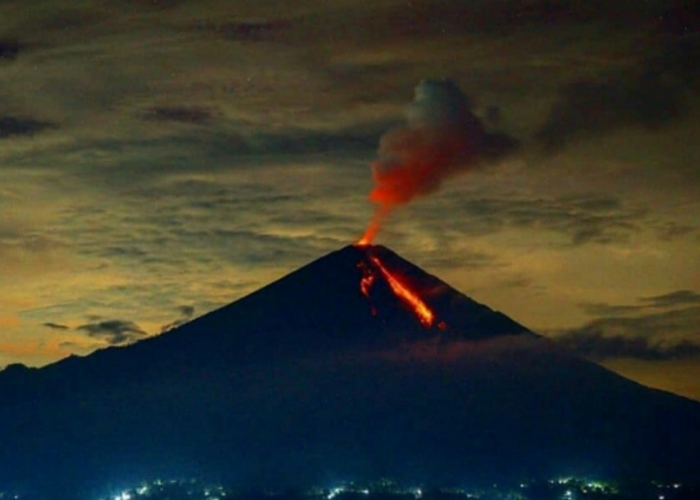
(671, 231)
(583, 220)
(679, 62)
(588, 108)
(9, 49)
(197, 150)
(593, 342)
(153, 4)
(503, 16)
(114, 332)
(679, 18)
(186, 311)
(181, 114)
(245, 31)
(658, 327)
(439, 17)
(56, 326)
(603, 309)
(69, 20)
(650, 96)
(14, 126)
(670, 300)
(186, 314)
(673, 299)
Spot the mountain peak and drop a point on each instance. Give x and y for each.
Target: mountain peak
(452, 311)
(352, 297)
(335, 370)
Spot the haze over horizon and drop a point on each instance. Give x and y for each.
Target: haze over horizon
(161, 159)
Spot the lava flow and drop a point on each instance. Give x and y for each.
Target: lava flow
(410, 298)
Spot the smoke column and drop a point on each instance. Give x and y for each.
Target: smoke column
(442, 137)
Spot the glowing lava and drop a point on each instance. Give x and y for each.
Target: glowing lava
(366, 283)
(410, 298)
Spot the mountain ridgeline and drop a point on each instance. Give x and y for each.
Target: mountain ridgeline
(328, 374)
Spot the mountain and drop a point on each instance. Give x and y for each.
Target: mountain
(330, 373)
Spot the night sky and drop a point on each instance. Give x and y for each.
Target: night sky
(159, 159)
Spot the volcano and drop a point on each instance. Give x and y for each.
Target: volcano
(357, 366)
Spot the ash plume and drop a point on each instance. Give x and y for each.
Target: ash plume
(442, 137)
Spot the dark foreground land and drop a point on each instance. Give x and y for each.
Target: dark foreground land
(328, 374)
(554, 489)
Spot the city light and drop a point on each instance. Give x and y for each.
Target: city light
(570, 488)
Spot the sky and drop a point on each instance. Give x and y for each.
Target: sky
(159, 159)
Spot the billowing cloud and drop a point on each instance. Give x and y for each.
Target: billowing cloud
(443, 137)
(114, 332)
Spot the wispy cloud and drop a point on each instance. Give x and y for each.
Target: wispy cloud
(9, 49)
(245, 31)
(582, 220)
(608, 339)
(114, 331)
(12, 126)
(180, 114)
(673, 299)
(651, 95)
(186, 313)
(655, 328)
(56, 326)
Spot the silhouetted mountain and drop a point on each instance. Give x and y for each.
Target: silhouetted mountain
(310, 379)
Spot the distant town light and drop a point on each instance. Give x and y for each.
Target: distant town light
(334, 493)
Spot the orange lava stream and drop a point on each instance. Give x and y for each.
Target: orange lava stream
(366, 284)
(425, 315)
(367, 280)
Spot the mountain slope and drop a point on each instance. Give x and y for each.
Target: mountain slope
(316, 377)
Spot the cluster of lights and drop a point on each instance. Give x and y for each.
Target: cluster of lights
(566, 488)
(334, 492)
(154, 488)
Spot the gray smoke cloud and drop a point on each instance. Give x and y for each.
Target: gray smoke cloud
(442, 137)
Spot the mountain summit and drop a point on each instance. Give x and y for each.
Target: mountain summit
(346, 300)
(356, 366)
